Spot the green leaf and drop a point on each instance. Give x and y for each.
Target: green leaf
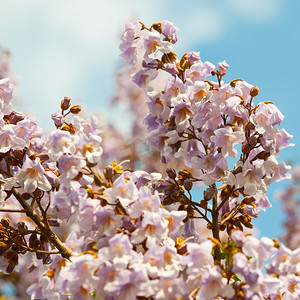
(236, 278)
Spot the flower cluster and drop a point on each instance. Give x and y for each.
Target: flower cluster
(92, 229)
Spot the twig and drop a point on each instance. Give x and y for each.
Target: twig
(47, 232)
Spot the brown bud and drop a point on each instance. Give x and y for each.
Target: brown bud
(252, 141)
(222, 227)
(37, 193)
(233, 82)
(5, 221)
(209, 226)
(248, 200)
(246, 148)
(276, 243)
(185, 173)
(12, 263)
(69, 127)
(254, 91)
(209, 193)
(22, 227)
(108, 172)
(167, 201)
(249, 126)
(18, 154)
(156, 26)
(188, 184)
(25, 196)
(203, 204)
(213, 72)
(237, 170)
(65, 103)
(76, 109)
(174, 195)
(171, 173)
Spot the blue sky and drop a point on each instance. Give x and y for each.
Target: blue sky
(69, 48)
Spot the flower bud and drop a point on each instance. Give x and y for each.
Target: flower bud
(222, 68)
(171, 173)
(254, 91)
(22, 227)
(108, 172)
(185, 174)
(76, 109)
(249, 126)
(25, 196)
(174, 195)
(157, 27)
(188, 184)
(5, 221)
(209, 193)
(65, 103)
(246, 148)
(252, 141)
(69, 127)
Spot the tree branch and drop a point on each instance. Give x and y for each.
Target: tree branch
(47, 232)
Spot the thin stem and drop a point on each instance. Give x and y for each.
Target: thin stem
(202, 214)
(216, 227)
(47, 232)
(10, 210)
(231, 190)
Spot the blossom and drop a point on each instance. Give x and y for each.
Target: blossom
(212, 284)
(9, 140)
(61, 142)
(225, 138)
(169, 31)
(58, 118)
(31, 176)
(6, 89)
(223, 67)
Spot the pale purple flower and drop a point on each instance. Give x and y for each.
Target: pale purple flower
(69, 167)
(223, 67)
(31, 176)
(91, 148)
(6, 89)
(251, 179)
(123, 190)
(143, 77)
(199, 255)
(240, 263)
(58, 118)
(193, 57)
(61, 142)
(199, 71)
(106, 221)
(169, 31)
(225, 138)
(189, 231)
(9, 139)
(212, 284)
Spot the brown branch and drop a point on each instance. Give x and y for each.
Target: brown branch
(47, 232)
(10, 210)
(216, 227)
(231, 190)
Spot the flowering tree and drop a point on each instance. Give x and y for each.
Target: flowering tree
(90, 229)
